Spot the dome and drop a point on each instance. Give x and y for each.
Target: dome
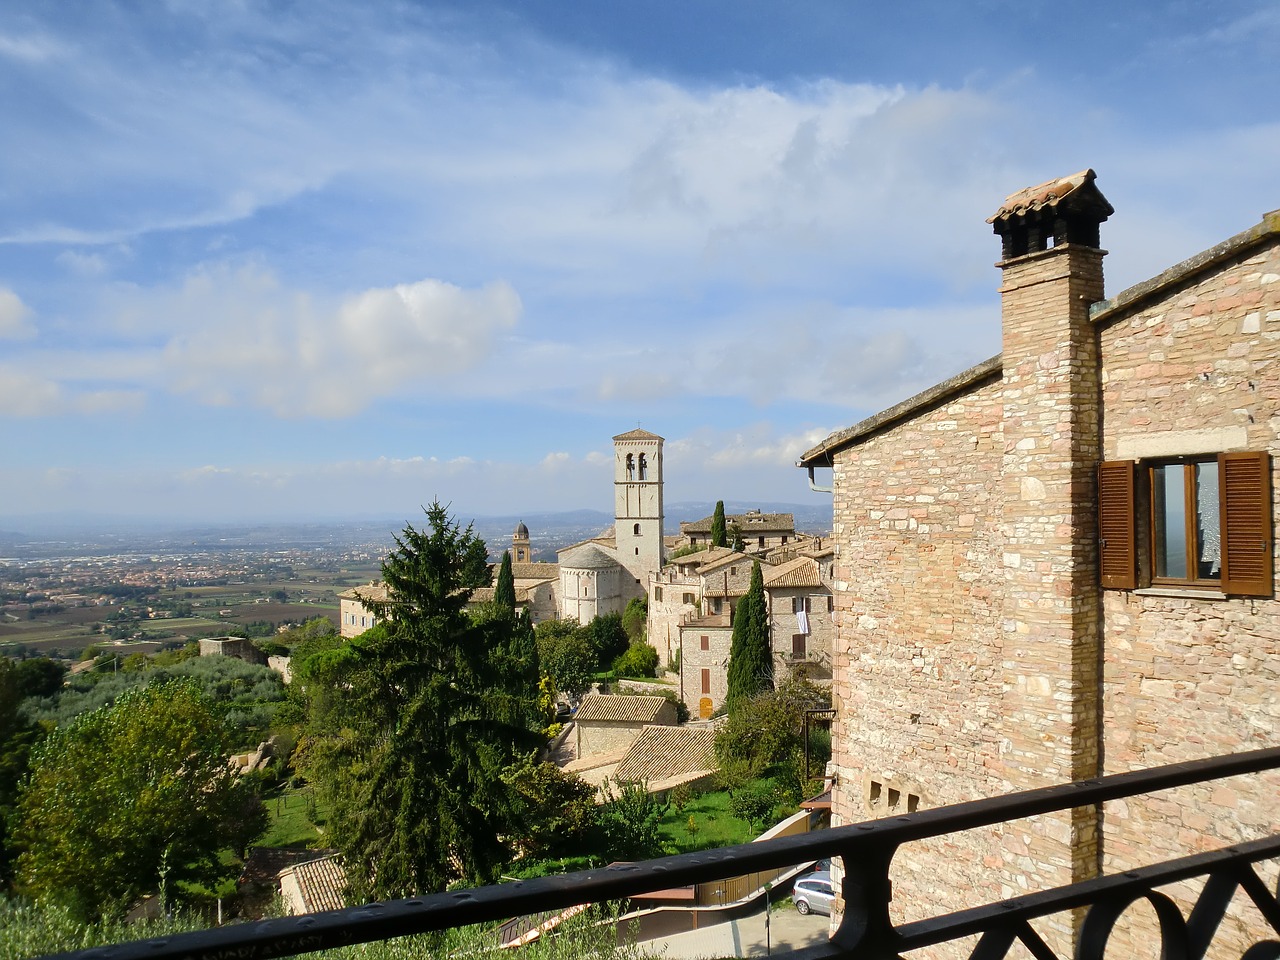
(522, 532)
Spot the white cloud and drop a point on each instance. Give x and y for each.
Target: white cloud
(14, 317)
(235, 336)
(31, 48)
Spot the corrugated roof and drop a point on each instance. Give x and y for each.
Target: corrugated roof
(800, 572)
(637, 434)
(663, 752)
(619, 708)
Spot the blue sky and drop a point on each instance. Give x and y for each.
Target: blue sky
(325, 259)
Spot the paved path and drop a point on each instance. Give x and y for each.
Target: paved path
(744, 937)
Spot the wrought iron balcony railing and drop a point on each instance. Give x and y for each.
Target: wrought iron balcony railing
(867, 849)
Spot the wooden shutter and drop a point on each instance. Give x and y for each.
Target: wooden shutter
(1117, 532)
(1246, 524)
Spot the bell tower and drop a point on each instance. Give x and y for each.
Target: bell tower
(637, 499)
(521, 549)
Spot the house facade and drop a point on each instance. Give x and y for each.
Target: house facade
(1059, 564)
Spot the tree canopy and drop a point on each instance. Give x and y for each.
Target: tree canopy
(717, 525)
(504, 591)
(750, 657)
(130, 795)
(425, 713)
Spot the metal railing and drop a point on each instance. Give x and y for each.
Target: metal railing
(867, 849)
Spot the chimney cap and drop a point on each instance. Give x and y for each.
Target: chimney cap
(1078, 188)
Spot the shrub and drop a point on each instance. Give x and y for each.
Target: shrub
(640, 660)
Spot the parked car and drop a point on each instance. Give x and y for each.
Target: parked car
(813, 893)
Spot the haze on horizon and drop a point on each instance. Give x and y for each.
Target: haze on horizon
(313, 261)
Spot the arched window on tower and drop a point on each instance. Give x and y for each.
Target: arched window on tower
(644, 468)
(636, 529)
(631, 467)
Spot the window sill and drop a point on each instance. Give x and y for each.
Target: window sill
(1182, 593)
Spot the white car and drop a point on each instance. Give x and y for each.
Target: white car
(814, 893)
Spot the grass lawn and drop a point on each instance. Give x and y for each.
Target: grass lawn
(714, 825)
(291, 819)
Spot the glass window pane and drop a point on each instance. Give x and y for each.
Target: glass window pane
(1168, 494)
(1208, 521)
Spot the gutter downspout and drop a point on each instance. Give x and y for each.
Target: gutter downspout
(814, 486)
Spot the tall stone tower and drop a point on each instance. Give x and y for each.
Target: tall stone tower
(637, 499)
(521, 549)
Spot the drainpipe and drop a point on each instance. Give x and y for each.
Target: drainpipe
(814, 486)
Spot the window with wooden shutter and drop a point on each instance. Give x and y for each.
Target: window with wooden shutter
(1245, 479)
(1117, 536)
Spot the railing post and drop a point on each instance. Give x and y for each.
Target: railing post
(865, 930)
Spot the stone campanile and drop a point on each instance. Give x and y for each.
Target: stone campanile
(1051, 273)
(637, 498)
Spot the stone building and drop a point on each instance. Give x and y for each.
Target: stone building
(760, 531)
(602, 575)
(1058, 564)
(801, 620)
(355, 618)
(608, 723)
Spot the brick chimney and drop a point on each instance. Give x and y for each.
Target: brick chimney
(1052, 272)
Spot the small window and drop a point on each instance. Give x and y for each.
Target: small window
(631, 467)
(760, 541)
(1208, 523)
(644, 467)
(799, 604)
(635, 529)
(798, 648)
(657, 594)
(688, 598)
(831, 603)
(637, 554)
(706, 681)
(704, 642)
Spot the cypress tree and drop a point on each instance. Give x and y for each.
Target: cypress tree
(504, 591)
(717, 525)
(750, 659)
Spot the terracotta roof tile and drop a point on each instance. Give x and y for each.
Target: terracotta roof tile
(620, 708)
(663, 752)
(535, 571)
(752, 522)
(321, 883)
(637, 434)
(800, 572)
(1047, 194)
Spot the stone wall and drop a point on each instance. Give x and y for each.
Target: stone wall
(668, 608)
(1189, 675)
(784, 624)
(711, 663)
(918, 669)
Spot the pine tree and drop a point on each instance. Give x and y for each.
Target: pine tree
(434, 707)
(504, 591)
(718, 531)
(750, 658)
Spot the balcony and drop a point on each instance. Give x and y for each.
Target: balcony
(866, 850)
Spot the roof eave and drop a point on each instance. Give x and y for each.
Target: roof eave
(1137, 295)
(975, 376)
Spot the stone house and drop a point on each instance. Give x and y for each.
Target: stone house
(354, 617)
(608, 723)
(760, 531)
(704, 662)
(801, 616)
(1058, 564)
